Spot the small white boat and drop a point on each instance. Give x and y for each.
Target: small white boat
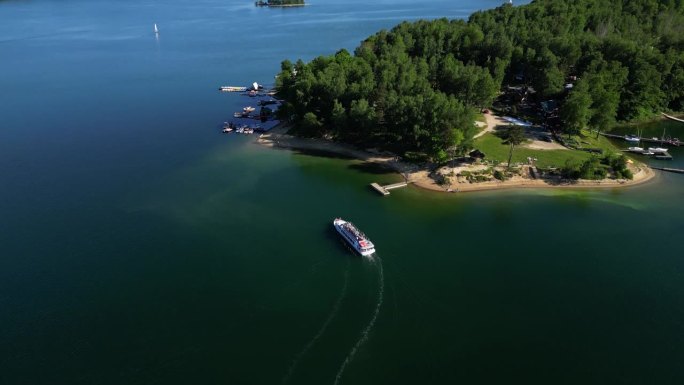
(227, 130)
(632, 138)
(657, 150)
(248, 109)
(156, 30)
(636, 149)
(232, 89)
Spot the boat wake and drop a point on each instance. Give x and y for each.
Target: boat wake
(318, 335)
(364, 334)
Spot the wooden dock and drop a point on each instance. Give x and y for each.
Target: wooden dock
(384, 190)
(675, 170)
(672, 118)
(671, 142)
(658, 155)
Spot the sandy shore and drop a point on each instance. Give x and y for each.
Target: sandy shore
(278, 138)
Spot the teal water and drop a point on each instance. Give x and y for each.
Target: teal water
(139, 245)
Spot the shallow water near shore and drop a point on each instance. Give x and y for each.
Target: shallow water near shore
(140, 245)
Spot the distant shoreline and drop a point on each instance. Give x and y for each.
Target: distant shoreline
(420, 176)
(266, 4)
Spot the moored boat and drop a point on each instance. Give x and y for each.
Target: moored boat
(657, 150)
(632, 138)
(232, 89)
(354, 237)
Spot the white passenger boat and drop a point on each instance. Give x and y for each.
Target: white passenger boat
(354, 237)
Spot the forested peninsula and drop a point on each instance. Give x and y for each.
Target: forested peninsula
(417, 88)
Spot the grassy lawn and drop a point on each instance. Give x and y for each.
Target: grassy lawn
(495, 149)
(589, 140)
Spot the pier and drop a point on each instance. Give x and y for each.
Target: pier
(672, 118)
(672, 142)
(675, 170)
(384, 190)
(662, 155)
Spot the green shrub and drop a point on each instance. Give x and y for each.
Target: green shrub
(442, 179)
(571, 170)
(500, 175)
(625, 174)
(414, 156)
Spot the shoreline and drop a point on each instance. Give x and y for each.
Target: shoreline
(277, 137)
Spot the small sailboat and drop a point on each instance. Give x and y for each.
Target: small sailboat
(156, 30)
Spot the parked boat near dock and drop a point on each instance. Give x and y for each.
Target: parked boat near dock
(232, 89)
(657, 150)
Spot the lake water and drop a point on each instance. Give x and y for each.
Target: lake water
(138, 245)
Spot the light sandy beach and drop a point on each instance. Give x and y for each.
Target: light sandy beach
(278, 138)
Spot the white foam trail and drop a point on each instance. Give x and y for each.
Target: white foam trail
(367, 329)
(318, 335)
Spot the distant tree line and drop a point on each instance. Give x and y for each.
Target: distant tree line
(416, 87)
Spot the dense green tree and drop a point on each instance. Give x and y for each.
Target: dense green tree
(514, 136)
(310, 124)
(414, 87)
(362, 116)
(576, 110)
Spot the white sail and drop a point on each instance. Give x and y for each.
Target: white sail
(156, 30)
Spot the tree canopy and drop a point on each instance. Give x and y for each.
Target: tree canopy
(416, 87)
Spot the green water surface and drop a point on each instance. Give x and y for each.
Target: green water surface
(138, 245)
